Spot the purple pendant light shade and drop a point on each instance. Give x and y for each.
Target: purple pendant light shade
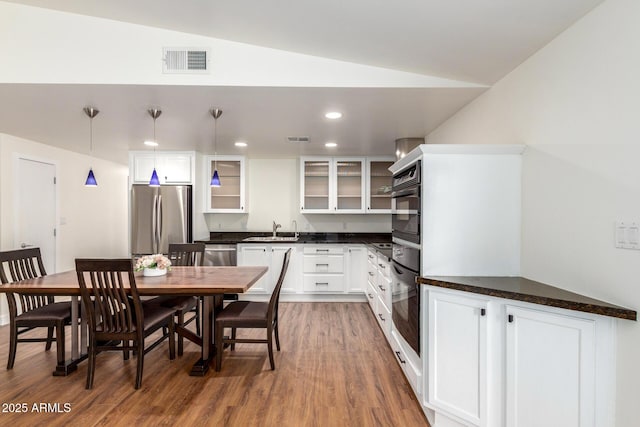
(91, 113)
(154, 181)
(91, 180)
(215, 179)
(154, 113)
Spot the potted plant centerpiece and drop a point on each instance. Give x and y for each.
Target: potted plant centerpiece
(153, 265)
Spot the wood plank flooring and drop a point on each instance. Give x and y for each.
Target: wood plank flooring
(335, 369)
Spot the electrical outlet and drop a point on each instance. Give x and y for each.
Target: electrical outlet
(627, 235)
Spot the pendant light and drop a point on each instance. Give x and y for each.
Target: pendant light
(91, 112)
(154, 113)
(215, 179)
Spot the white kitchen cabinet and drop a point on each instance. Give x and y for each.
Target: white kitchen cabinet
(457, 365)
(378, 184)
(230, 197)
(499, 362)
(332, 185)
(256, 255)
(410, 366)
(323, 269)
(272, 256)
(550, 369)
(172, 167)
(356, 261)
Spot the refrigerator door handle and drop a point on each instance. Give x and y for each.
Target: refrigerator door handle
(160, 225)
(154, 225)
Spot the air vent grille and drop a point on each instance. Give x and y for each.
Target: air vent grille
(185, 60)
(298, 138)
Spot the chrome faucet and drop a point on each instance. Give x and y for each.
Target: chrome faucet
(295, 223)
(275, 228)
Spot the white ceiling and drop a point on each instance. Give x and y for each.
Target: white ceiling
(476, 41)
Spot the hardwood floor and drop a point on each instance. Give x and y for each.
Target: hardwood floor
(335, 369)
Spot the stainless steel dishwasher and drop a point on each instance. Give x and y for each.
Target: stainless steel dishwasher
(220, 255)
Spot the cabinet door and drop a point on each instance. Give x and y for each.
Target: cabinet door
(349, 185)
(550, 368)
(143, 165)
(316, 183)
(229, 197)
(356, 269)
(256, 256)
(292, 282)
(458, 355)
(378, 185)
(176, 169)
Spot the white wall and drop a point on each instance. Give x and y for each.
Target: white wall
(273, 195)
(576, 104)
(94, 220)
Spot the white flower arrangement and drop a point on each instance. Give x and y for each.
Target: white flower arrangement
(157, 261)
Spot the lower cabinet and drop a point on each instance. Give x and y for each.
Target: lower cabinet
(271, 256)
(497, 362)
(257, 255)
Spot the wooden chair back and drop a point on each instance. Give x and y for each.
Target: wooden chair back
(103, 285)
(23, 264)
(275, 296)
(186, 254)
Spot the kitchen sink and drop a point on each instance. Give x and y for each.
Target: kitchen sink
(271, 239)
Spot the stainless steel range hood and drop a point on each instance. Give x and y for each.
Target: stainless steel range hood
(405, 145)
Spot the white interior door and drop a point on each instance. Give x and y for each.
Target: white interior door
(35, 217)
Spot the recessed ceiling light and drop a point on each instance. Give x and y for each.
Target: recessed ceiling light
(330, 144)
(151, 143)
(240, 144)
(333, 115)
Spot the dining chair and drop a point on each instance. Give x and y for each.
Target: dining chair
(27, 312)
(116, 317)
(187, 255)
(251, 314)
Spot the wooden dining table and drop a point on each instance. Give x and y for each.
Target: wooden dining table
(210, 283)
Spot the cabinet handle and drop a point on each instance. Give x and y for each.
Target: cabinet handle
(382, 288)
(370, 296)
(301, 208)
(318, 265)
(510, 318)
(335, 208)
(400, 358)
(371, 256)
(322, 250)
(382, 266)
(381, 318)
(322, 283)
(371, 274)
(483, 312)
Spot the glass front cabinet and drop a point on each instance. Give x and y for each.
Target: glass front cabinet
(229, 197)
(332, 185)
(379, 179)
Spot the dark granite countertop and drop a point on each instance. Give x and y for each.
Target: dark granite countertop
(521, 289)
(228, 238)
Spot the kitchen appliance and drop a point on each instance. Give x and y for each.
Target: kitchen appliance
(405, 293)
(221, 255)
(405, 257)
(405, 145)
(159, 216)
(405, 204)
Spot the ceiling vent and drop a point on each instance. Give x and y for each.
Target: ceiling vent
(298, 138)
(177, 60)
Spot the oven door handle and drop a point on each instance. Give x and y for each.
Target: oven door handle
(407, 192)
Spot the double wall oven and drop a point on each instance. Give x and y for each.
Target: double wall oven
(405, 223)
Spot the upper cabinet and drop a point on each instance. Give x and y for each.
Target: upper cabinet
(332, 184)
(379, 179)
(229, 197)
(172, 167)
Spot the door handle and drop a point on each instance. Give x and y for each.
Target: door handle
(24, 245)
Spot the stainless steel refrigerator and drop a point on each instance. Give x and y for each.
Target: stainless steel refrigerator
(159, 216)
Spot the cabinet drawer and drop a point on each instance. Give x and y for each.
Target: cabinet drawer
(323, 263)
(383, 266)
(323, 250)
(384, 291)
(383, 316)
(372, 273)
(372, 257)
(372, 296)
(323, 284)
(412, 372)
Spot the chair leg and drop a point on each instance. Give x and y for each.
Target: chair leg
(275, 327)
(140, 364)
(172, 345)
(92, 363)
(219, 333)
(233, 337)
(180, 337)
(49, 338)
(125, 350)
(198, 316)
(13, 343)
(270, 344)
(60, 350)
